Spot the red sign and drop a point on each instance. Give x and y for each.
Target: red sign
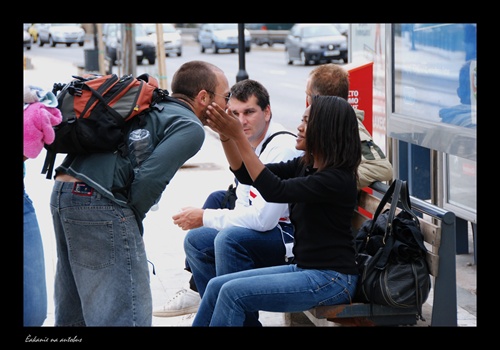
(361, 90)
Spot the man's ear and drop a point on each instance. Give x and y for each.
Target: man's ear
(203, 97)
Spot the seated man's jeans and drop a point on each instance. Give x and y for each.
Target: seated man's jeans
(34, 284)
(229, 298)
(213, 201)
(211, 253)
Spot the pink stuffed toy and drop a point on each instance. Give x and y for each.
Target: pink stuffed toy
(38, 122)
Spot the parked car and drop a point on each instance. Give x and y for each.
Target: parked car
(220, 36)
(61, 33)
(145, 46)
(32, 31)
(171, 38)
(268, 33)
(315, 43)
(28, 40)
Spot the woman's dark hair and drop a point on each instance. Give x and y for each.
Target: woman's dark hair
(332, 135)
(247, 88)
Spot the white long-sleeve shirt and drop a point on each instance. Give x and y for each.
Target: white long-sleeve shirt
(251, 210)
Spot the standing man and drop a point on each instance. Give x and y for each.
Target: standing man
(102, 274)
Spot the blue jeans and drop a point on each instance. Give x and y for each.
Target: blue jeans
(34, 284)
(228, 298)
(213, 201)
(102, 274)
(211, 253)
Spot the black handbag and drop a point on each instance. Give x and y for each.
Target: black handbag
(391, 255)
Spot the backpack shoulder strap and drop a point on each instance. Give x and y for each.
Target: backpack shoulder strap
(272, 136)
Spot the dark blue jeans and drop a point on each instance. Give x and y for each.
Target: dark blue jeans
(35, 291)
(213, 201)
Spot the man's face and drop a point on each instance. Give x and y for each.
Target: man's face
(222, 93)
(253, 119)
(219, 96)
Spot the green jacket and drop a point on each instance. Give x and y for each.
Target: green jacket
(177, 135)
(374, 164)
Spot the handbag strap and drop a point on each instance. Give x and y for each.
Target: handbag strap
(404, 198)
(388, 236)
(394, 191)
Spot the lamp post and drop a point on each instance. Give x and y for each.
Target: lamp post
(242, 74)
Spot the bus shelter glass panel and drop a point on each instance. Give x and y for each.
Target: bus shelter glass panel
(434, 99)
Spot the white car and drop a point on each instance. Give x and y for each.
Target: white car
(220, 36)
(28, 40)
(171, 38)
(61, 33)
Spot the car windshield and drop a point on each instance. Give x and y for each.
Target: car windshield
(65, 24)
(115, 30)
(225, 26)
(314, 31)
(167, 28)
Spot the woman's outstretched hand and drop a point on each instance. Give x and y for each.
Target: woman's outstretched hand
(224, 122)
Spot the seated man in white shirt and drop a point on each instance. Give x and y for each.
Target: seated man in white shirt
(253, 234)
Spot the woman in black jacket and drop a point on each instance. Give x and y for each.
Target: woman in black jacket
(321, 189)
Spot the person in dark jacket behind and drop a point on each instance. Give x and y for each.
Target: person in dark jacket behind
(102, 273)
(321, 187)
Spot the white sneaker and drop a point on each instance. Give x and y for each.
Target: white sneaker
(185, 301)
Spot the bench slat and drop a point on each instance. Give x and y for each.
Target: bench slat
(360, 314)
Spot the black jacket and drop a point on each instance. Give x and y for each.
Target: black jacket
(321, 209)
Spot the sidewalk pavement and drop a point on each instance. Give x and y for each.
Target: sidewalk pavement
(205, 172)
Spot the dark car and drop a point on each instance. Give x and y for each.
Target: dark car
(315, 43)
(145, 46)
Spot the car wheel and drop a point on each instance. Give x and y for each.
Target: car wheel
(68, 44)
(287, 58)
(81, 43)
(247, 49)
(233, 50)
(151, 60)
(111, 56)
(40, 41)
(110, 60)
(139, 60)
(179, 54)
(303, 58)
(52, 42)
(215, 49)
